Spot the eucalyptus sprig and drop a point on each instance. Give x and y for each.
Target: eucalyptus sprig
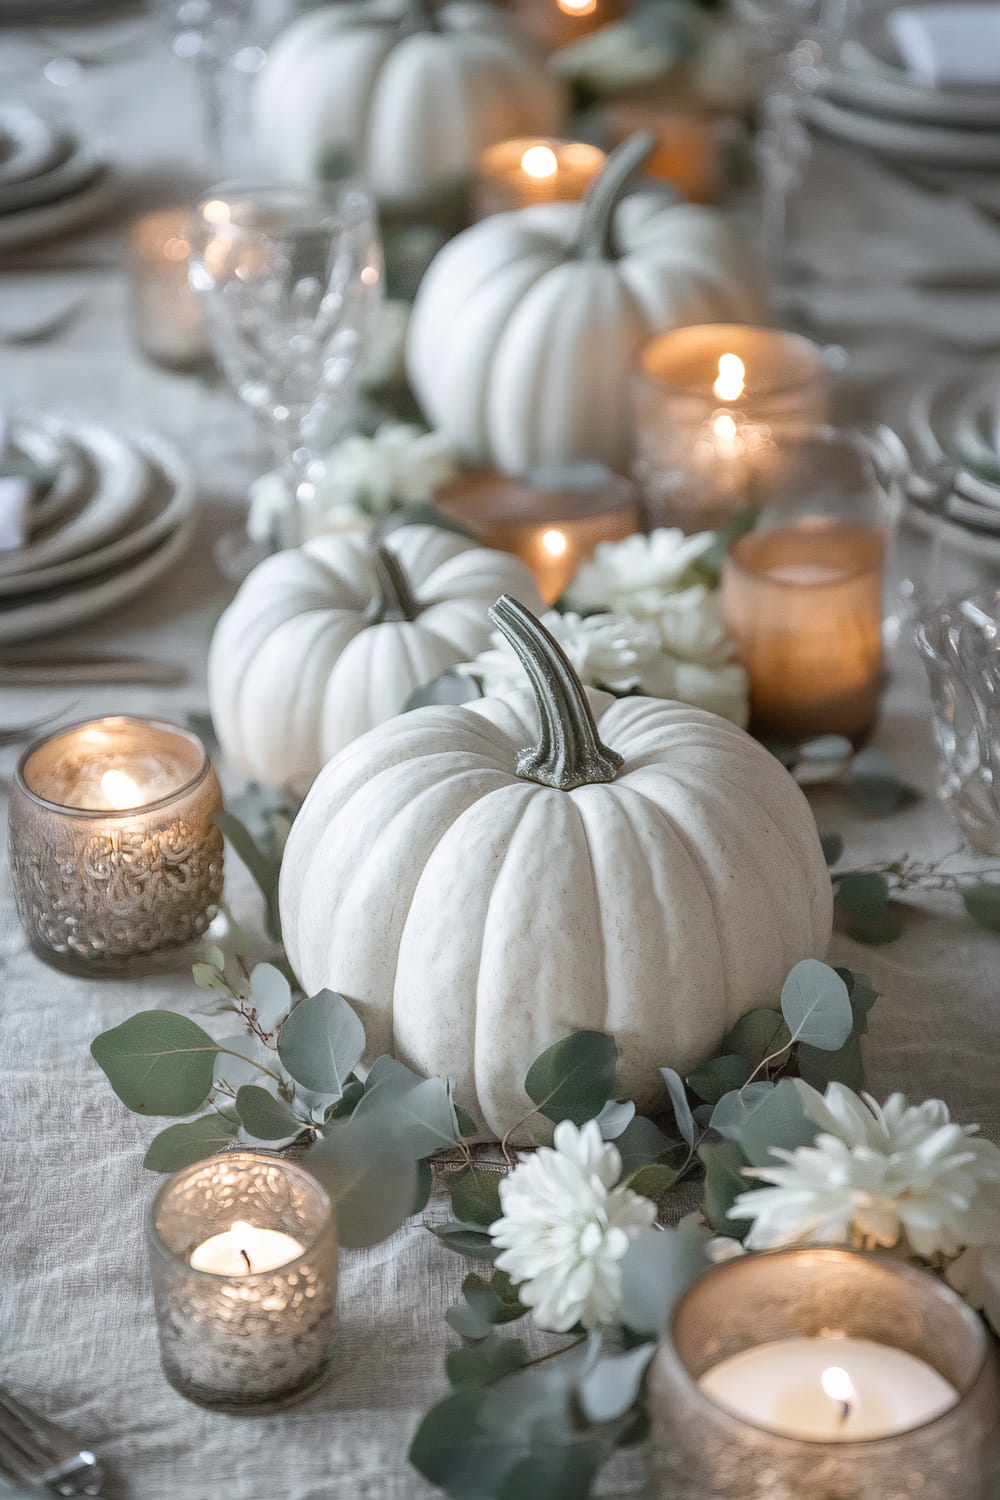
(868, 897)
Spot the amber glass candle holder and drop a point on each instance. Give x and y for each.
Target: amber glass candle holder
(115, 854)
(520, 173)
(558, 23)
(702, 1451)
(553, 521)
(243, 1337)
(803, 593)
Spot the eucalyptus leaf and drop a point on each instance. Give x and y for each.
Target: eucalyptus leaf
(886, 927)
(322, 1042)
(454, 1452)
(263, 1116)
(371, 1182)
(271, 995)
(348, 1102)
(778, 1120)
(719, 1076)
(815, 1004)
(563, 1472)
(982, 902)
(425, 1185)
(470, 1323)
(723, 1162)
(875, 784)
(264, 870)
(182, 1145)
(465, 1239)
(614, 1118)
(843, 1066)
(862, 995)
(657, 1267)
(679, 1100)
(611, 1388)
(864, 894)
(475, 1196)
(653, 1181)
(454, 688)
(241, 1059)
(207, 977)
(759, 1034)
(485, 1362)
(832, 845)
(157, 1062)
(730, 1115)
(467, 1126)
(641, 1144)
(420, 1115)
(537, 1400)
(572, 1079)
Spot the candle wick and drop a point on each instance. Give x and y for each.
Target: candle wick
(250, 1268)
(845, 1412)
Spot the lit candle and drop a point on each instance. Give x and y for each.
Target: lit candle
(115, 852)
(518, 173)
(717, 410)
(822, 1374)
(245, 1250)
(552, 520)
(804, 604)
(245, 1312)
(829, 1389)
(166, 315)
(557, 23)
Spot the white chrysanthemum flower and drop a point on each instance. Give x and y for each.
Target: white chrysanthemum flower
(878, 1176)
(566, 1227)
(607, 651)
(402, 463)
(633, 577)
(975, 1275)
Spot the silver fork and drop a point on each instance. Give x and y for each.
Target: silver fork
(36, 1450)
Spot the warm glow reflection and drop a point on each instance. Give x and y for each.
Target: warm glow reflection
(837, 1384)
(577, 7)
(554, 543)
(731, 379)
(216, 212)
(540, 162)
(370, 276)
(176, 249)
(120, 790)
(724, 427)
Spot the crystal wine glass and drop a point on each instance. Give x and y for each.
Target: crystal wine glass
(287, 276)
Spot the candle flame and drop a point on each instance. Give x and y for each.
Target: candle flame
(577, 7)
(837, 1384)
(730, 382)
(554, 543)
(120, 790)
(216, 211)
(724, 427)
(540, 162)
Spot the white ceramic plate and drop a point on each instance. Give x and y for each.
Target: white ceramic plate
(866, 80)
(29, 145)
(27, 225)
(59, 610)
(72, 170)
(122, 479)
(60, 458)
(170, 500)
(903, 138)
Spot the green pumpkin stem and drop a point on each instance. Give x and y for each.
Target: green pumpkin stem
(393, 599)
(569, 752)
(421, 15)
(595, 239)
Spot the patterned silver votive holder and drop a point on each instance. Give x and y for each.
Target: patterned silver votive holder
(884, 1375)
(243, 1254)
(114, 851)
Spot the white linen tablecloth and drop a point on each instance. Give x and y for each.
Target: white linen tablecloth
(77, 1334)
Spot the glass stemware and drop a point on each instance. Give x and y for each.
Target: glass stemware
(287, 276)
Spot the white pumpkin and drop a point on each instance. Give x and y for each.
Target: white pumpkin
(524, 332)
(408, 93)
(326, 640)
(647, 869)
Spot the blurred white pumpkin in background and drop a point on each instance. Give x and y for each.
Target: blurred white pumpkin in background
(406, 94)
(525, 328)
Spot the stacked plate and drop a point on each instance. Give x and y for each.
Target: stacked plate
(109, 516)
(872, 100)
(49, 180)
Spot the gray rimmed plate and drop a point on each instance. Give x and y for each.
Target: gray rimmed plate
(29, 144)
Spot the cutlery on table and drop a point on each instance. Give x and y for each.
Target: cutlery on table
(14, 734)
(39, 1452)
(59, 671)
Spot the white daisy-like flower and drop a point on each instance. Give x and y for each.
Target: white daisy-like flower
(878, 1176)
(566, 1227)
(633, 576)
(608, 651)
(402, 463)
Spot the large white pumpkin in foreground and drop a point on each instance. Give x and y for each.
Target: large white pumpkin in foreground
(326, 640)
(410, 94)
(522, 343)
(478, 900)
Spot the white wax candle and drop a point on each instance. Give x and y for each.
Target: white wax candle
(245, 1250)
(829, 1389)
(806, 572)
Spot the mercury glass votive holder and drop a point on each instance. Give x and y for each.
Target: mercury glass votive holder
(166, 316)
(700, 1451)
(528, 170)
(115, 854)
(245, 1342)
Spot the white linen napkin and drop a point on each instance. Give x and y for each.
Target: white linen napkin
(949, 45)
(15, 492)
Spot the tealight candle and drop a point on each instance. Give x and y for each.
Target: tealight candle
(717, 411)
(557, 23)
(243, 1253)
(518, 173)
(822, 1374)
(553, 520)
(114, 848)
(166, 315)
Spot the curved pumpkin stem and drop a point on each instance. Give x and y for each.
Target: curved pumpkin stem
(569, 752)
(421, 15)
(393, 598)
(595, 238)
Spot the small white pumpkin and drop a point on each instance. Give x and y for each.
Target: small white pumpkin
(408, 93)
(326, 640)
(522, 342)
(645, 869)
